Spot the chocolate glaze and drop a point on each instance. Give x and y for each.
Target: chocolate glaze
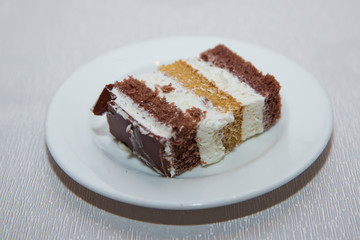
(265, 85)
(105, 97)
(149, 148)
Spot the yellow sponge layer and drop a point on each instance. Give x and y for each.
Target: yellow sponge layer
(191, 79)
(196, 82)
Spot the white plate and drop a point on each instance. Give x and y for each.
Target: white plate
(83, 148)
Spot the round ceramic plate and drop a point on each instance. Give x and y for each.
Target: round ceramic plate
(82, 146)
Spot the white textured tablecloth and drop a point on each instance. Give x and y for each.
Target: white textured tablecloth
(43, 42)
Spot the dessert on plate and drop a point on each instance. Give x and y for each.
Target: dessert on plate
(191, 112)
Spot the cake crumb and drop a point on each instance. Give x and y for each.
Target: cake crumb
(167, 88)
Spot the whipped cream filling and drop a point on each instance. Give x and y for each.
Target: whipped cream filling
(253, 103)
(208, 136)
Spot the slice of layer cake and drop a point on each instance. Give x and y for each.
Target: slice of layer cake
(190, 112)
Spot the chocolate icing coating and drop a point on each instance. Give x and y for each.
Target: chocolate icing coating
(101, 106)
(148, 147)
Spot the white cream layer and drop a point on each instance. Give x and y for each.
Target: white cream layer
(253, 103)
(208, 137)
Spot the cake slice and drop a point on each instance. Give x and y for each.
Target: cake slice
(190, 112)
